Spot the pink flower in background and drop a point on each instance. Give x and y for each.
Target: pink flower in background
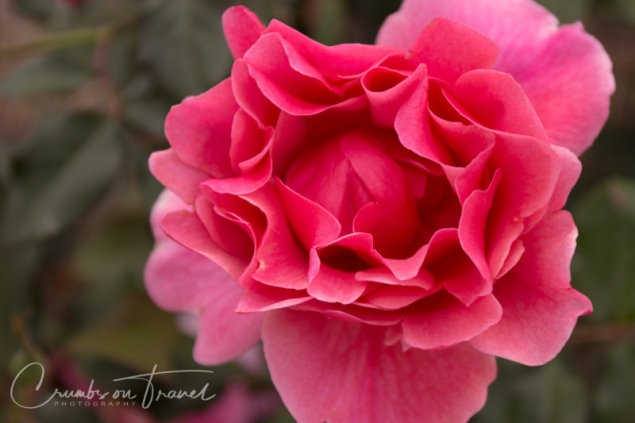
(236, 405)
(386, 218)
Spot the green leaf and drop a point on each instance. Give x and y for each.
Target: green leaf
(66, 167)
(148, 114)
(52, 74)
(627, 7)
(183, 41)
(548, 394)
(92, 13)
(139, 335)
(39, 9)
(122, 56)
(604, 265)
(614, 397)
(17, 266)
(110, 262)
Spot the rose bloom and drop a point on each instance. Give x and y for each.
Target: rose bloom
(385, 218)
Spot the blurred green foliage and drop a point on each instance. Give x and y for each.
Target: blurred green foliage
(75, 194)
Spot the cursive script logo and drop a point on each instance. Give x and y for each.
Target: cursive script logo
(97, 397)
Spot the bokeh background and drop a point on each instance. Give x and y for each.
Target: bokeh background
(84, 89)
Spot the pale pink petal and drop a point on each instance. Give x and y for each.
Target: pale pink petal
(175, 175)
(330, 370)
(223, 333)
(167, 203)
(181, 280)
(187, 229)
(540, 308)
(565, 72)
(570, 85)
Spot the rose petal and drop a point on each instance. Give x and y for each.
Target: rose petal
(565, 72)
(540, 308)
(242, 29)
(441, 321)
(199, 130)
(450, 49)
(175, 175)
(342, 372)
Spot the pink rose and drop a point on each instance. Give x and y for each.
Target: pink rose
(386, 218)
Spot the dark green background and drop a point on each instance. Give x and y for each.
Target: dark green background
(78, 122)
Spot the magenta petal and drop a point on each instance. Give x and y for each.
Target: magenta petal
(333, 285)
(287, 79)
(494, 100)
(260, 297)
(243, 184)
(540, 308)
(450, 49)
(199, 130)
(441, 321)
(387, 89)
(311, 223)
(242, 29)
(395, 297)
(413, 127)
(249, 96)
(283, 263)
(329, 370)
(472, 225)
(530, 171)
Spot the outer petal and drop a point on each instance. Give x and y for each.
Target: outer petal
(565, 72)
(330, 370)
(182, 280)
(180, 178)
(242, 29)
(199, 130)
(540, 308)
(441, 321)
(450, 49)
